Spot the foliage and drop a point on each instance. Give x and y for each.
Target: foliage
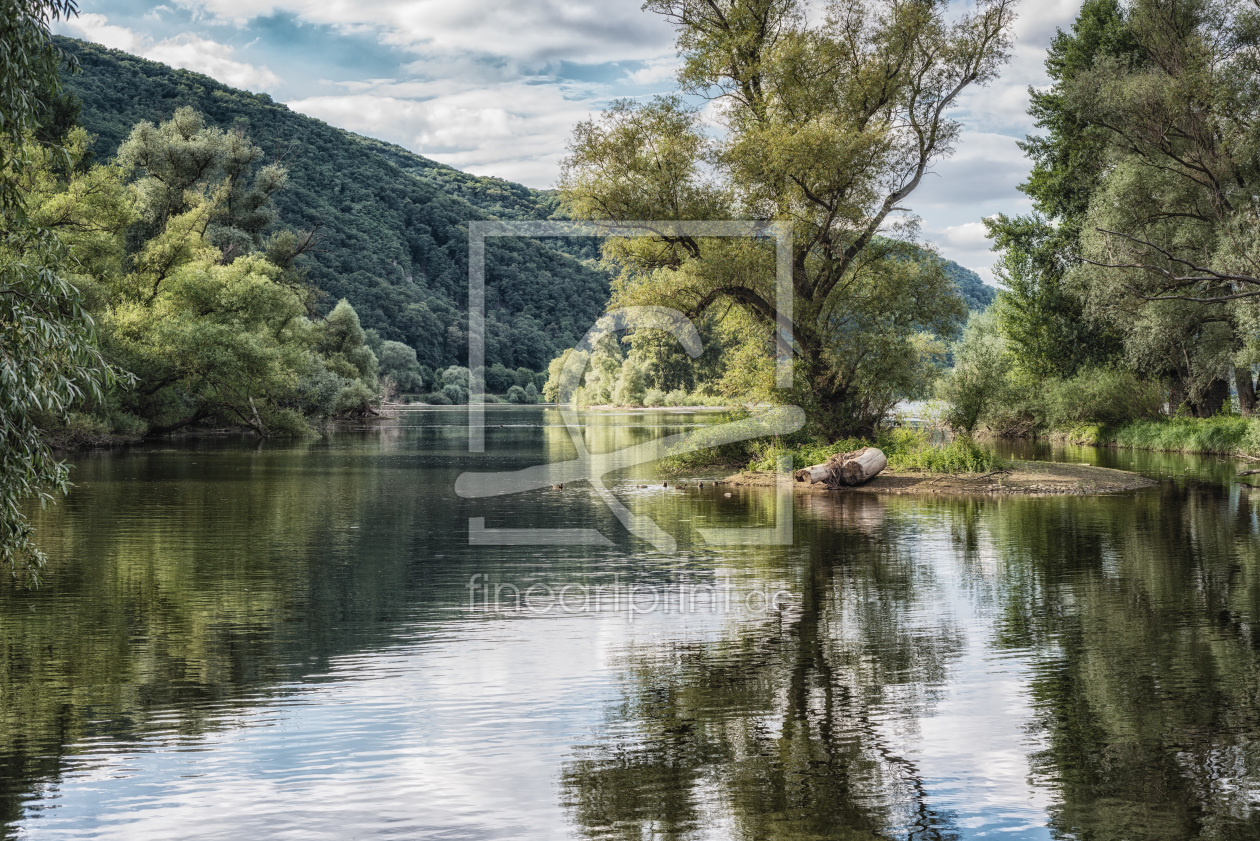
(961, 455)
(1142, 251)
(1043, 321)
(976, 294)
(215, 331)
(1105, 396)
(829, 125)
(1222, 435)
(381, 227)
(398, 362)
(734, 454)
(905, 447)
(981, 365)
(48, 360)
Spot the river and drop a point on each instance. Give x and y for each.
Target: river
(298, 641)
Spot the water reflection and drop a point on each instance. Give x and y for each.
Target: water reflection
(789, 728)
(237, 642)
(1129, 622)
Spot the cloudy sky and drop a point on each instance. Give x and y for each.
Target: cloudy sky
(495, 86)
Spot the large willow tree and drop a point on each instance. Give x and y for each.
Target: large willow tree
(829, 124)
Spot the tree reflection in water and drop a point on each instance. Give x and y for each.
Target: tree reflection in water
(1136, 614)
(792, 727)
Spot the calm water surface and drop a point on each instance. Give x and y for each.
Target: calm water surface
(288, 642)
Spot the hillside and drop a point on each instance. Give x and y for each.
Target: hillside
(393, 243)
(973, 290)
(391, 224)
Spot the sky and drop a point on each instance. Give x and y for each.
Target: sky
(494, 87)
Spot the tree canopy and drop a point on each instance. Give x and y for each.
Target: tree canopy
(827, 124)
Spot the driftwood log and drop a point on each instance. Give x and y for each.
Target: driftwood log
(846, 469)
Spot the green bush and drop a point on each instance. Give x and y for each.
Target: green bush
(437, 398)
(516, 394)
(962, 455)
(723, 455)
(1100, 395)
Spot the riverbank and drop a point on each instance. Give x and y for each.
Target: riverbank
(1017, 478)
(1224, 435)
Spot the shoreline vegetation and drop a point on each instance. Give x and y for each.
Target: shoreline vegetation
(1016, 478)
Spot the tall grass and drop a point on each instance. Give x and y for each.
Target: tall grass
(1222, 435)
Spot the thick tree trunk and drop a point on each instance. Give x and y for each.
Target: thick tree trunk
(846, 469)
(1213, 398)
(1246, 389)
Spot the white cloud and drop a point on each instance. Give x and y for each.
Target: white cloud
(655, 72)
(516, 131)
(535, 32)
(98, 29)
(214, 60)
(187, 51)
(969, 235)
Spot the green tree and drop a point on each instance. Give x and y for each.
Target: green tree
(212, 337)
(1145, 187)
(830, 125)
(1041, 315)
(48, 359)
(398, 362)
(979, 374)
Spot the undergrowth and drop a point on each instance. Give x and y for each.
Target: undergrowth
(907, 449)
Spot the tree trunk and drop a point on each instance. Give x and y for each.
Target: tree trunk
(1213, 398)
(1246, 389)
(843, 469)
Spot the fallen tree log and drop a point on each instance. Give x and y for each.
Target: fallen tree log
(846, 469)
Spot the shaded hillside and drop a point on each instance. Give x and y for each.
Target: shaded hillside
(393, 243)
(972, 289)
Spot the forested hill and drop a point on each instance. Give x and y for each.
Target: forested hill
(973, 290)
(392, 225)
(393, 242)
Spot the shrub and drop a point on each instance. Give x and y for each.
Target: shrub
(516, 394)
(354, 398)
(455, 393)
(906, 449)
(962, 455)
(677, 397)
(437, 398)
(1100, 395)
(531, 393)
(631, 385)
(654, 397)
(728, 455)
